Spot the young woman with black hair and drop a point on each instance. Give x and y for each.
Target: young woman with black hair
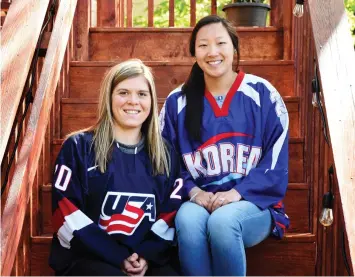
(231, 130)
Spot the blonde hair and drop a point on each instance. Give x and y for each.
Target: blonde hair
(104, 140)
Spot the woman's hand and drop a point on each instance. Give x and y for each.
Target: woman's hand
(200, 197)
(223, 198)
(135, 265)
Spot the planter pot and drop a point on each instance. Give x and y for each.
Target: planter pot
(247, 14)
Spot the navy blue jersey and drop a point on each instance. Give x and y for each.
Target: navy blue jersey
(244, 144)
(113, 214)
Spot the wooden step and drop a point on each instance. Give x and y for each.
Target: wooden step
(85, 77)
(172, 44)
(78, 113)
(296, 201)
(295, 255)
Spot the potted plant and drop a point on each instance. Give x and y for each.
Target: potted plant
(247, 12)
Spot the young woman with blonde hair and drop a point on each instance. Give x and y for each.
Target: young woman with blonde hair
(115, 192)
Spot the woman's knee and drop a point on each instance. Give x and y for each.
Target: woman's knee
(222, 222)
(231, 217)
(191, 216)
(240, 219)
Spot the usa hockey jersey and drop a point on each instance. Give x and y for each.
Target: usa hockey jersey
(113, 214)
(244, 144)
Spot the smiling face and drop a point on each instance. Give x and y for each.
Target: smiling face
(131, 103)
(214, 50)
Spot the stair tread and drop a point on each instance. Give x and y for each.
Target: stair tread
(84, 100)
(292, 186)
(294, 237)
(175, 29)
(173, 43)
(292, 140)
(85, 77)
(292, 256)
(177, 63)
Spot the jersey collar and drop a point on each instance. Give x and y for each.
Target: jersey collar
(223, 111)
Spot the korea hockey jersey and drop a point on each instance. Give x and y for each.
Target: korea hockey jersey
(244, 144)
(113, 214)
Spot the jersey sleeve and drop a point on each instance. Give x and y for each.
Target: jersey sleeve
(168, 126)
(74, 230)
(266, 184)
(161, 238)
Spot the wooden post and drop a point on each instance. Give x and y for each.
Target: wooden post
(213, 6)
(122, 13)
(192, 13)
(276, 13)
(281, 17)
(129, 13)
(288, 27)
(150, 13)
(171, 13)
(81, 30)
(108, 13)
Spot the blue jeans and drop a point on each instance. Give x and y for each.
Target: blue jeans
(214, 244)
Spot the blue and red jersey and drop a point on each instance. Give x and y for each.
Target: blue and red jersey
(113, 214)
(244, 144)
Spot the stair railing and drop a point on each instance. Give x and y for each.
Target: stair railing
(19, 38)
(336, 63)
(27, 163)
(119, 13)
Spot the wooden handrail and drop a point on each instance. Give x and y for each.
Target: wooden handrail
(20, 33)
(20, 186)
(336, 60)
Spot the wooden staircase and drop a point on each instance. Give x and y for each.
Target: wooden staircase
(165, 50)
(282, 53)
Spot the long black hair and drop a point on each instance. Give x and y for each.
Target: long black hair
(194, 87)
